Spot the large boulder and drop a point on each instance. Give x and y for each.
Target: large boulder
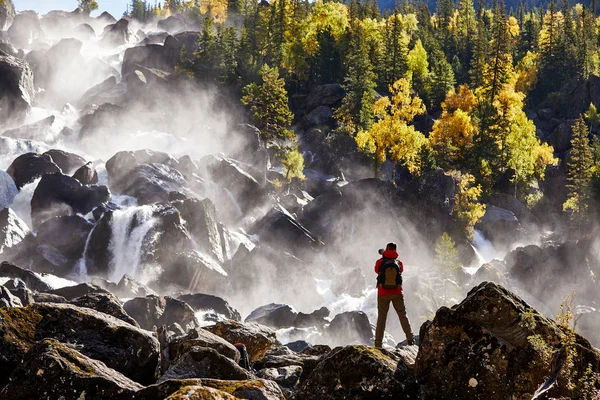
(33, 281)
(150, 56)
(73, 292)
(201, 218)
(257, 338)
(257, 389)
(151, 183)
(7, 14)
(118, 34)
(86, 175)
(120, 166)
(128, 288)
(352, 327)
(322, 115)
(36, 131)
(59, 194)
(210, 303)
(360, 373)
(8, 190)
(154, 311)
(201, 338)
(68, 162)
(500, 225)
(274, 315)
(494, 345)
(204, 362)
(121, 346)
(328, 95)
(105, 303)
(51, 369)
(7, 299)
(25, 30)
(172, 24)
(12, 229)
(29, 166)
(67, 234)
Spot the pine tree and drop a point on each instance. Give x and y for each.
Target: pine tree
(446, 256)
(88, 5)
(442, 79)
(396, 49)
(498, 70)
(579, 173)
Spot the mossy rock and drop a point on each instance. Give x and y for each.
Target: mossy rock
(257, 338)
(54, 370)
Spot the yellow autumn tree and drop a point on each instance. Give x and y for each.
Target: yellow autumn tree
(453, 133)
(392, 134)
(467, 208)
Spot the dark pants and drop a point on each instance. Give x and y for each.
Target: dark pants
(383, 306)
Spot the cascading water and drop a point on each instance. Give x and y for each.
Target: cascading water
(21, 204)
(129, 228)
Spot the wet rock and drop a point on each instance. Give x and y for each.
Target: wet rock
(58, 194)
(84, 32)
(98, 256)
(68, 162)
(118, 34)
(33, 282)
(48, 298)
(104, 92)
(207, 302)
(316, 318)
(154, 311)
(322, 115)
(18, 288)
(494, 271)
(201, 338)
(67, 234)
(25, 30)
(489, 339)
(105, 303)
(204, 362)
(86, 175)
(128, 288)
(257, 339)
(51, 369)
(317, 350)
(73, 292)
(201, 217)
(7, 299)
(189, 39)
(13, 230)
(349, 327)
(151, 183)
(500, 225)
(172, 24)
(152, 56)
(328, 95)
(560, 138)
(120, 166)
(359, 372)
(7, 14)
(274, 316)
(119, 345)
(36, 131)
(8, 190)
(29, 166)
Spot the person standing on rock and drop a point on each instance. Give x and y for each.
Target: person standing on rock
(389, 290)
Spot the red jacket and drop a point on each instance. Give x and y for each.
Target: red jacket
(388, 254)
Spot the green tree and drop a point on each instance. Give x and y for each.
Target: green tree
(467, 208)
(293, 165)
(579, 170)
(88, 5)
(446, 259)
(498, 69)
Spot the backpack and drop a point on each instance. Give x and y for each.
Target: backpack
(389, 276)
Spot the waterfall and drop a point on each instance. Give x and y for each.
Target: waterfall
(21, 204)
(129, 228)
(80, 273)
(484, 248)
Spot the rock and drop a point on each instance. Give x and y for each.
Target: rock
(207, 302)
(201, 338)
(98, 255)
(172, 24)
(104, 92)
(25, 30)
(13, 230)
(33, 282)
(171, 389)
(316, 318)
(560, 138)
(84, 32)
(105, 303)
(29, 166)
(328, 95)
(494, 271)
(48, 298)
(257, 339)
(7, 299)
(9, 49)
(274, 315)
(59, 194)
(349, 327)
(151, 183)
(106, 18)
(18, 288)
(297, 346)
(189, 39)
(119, 345)
(86, 175)
(282, 357)
(491, 336)
(37, 131)
(67, 234)
(120, 166)
(129, 288)
(545, 113)
(7, 14)
(51, 369)
(68, 162)
(322, 115)
(516, 206)
(8, 190)
(201, 217)
(153, 56)
(118, 34)
(154, 311)
(500, 225)
(359, 372)
(204, 362)
(286, 377)
(73, 292)
(317, 350)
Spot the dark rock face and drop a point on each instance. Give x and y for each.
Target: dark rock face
(73, 292)
(274, 315)
(360, 372)
(201, 338)
(151, 183)
(282, 358)
(328, 95)
(156, 311)
(258, 339)
(36, 131)
(29, 166)
(322, 115)
(207, 302)
(349, 327)
(119, 345)
(104, 92)
(172, 24)
(201, 217)
(12, 230)
(86, 175)
(58, 194)
(67, 234)
(8, 270)
(18, 288)
(204, 362)
(7, 14)
(150, 56)
(500, 225)
(121, 164)
(212, 389)
(104, 303)
(484, 348)
(129, 287)
(8, 190)
(7, 299)
(57, 370)
(118, 34)
(68, 162)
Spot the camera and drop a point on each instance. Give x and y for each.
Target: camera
(380, 251)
